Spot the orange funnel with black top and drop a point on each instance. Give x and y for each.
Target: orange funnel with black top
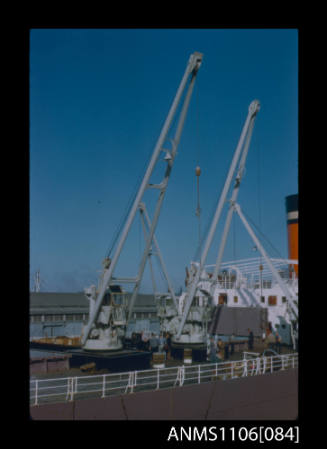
(292, 212)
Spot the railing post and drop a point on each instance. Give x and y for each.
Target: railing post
(245, 370)
(253, 366)
(72, 383)
(158, 378)
(68, 387)
(264, 365)
(258, 368)
(232, 370)
(72, 389)
(134, 380)
(271, 364)
(199, 374)
(283, 362)
(36, 391)
(75, 389)
(103, 386)
(177, 376)
(216, 369)
(180, 375)
(129, 381)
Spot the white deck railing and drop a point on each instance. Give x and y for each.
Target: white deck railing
(72, 388)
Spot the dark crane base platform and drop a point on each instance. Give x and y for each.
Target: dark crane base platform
(113, 361)
(199, 351)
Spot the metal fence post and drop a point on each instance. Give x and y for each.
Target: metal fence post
(158, 379)
(128, 382)
(36, 391)
(252, 366)
(177, 376)
(258, 368)
(75, 389)
(271, 364)
(103, 386)
(180, 375)
(71, 388)
(131, 383)
(264, 365)
(245, 370)
(134, 380)
(68, 388)
(199, 375)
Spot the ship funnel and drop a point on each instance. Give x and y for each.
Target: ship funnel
(292, 212)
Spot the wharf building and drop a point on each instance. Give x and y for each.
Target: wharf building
(55, 314)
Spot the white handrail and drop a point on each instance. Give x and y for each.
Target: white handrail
(70, 388)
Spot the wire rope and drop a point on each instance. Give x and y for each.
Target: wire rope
(274, 250)
(198, 169)
(135, 190)
(257, 147)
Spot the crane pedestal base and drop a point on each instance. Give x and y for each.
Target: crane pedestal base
(115, 361)
(199, 352)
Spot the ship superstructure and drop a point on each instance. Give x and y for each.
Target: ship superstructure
(250, 283)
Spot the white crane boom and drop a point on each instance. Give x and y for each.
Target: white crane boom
(253, 109)
(191, 69)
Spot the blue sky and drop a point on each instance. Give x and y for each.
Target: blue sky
(98, 100)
